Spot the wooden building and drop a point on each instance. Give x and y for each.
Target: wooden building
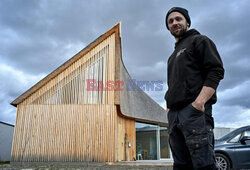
(85, 110)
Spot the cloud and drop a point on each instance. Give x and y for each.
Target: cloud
(155, 72)
(38, 36)
(231, 116)
(17, 79)
(14, 82)
(236, 96)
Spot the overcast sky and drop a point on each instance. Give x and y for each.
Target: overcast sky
(37, 36)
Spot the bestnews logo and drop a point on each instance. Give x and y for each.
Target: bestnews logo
(131, 85)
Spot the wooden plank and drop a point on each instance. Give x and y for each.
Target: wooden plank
(118, 57)
(125, 134)
(131, 138)
(120, 139)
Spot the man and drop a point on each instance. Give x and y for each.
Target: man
(194, 72)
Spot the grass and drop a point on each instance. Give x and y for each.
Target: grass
(7, 162)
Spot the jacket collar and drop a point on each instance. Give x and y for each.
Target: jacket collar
(187, 34)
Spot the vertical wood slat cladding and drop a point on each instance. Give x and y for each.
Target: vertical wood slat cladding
(60, 120)
(68, 133)
(65, 88)
(126, 134)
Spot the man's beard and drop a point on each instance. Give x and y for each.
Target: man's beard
(179, 34)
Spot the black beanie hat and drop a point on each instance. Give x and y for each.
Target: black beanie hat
(183, 11)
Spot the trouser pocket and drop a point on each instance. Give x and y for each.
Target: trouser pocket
(201, 150)
(198, 136)
(193, 121)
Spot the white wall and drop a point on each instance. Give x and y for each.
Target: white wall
(6, 136)
(221, 131)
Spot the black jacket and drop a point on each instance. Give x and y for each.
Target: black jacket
(194, 63)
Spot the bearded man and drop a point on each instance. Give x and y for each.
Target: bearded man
(194, 72)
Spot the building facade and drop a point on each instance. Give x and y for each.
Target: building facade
(89, 109)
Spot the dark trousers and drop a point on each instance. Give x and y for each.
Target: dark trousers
(191, 138)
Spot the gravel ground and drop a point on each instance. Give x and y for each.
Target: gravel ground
(88, 166)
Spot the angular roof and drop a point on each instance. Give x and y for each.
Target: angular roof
(65, 65)
(134, 104)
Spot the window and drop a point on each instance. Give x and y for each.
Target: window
(73, 87)
(151, 142)
(164, 144)
(246, 133)
(235, 139)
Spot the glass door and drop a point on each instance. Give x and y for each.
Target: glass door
(146, 143)
(151, 142)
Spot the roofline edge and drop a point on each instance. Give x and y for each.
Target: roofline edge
(65, 65)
